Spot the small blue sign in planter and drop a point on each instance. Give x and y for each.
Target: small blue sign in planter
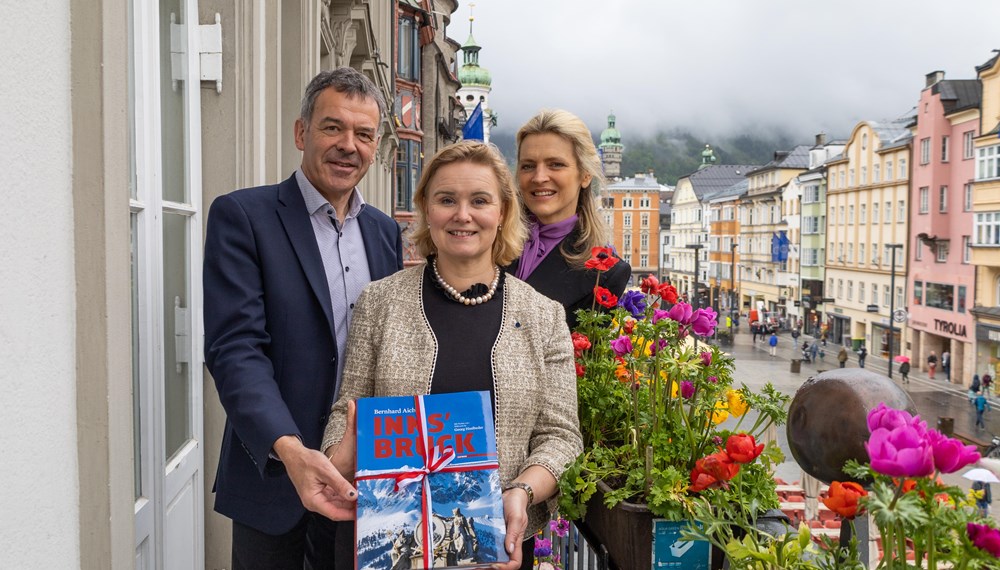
(672, 551)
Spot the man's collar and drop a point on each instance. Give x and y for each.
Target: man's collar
(314, 200)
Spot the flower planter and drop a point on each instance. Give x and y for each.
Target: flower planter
(627, 532)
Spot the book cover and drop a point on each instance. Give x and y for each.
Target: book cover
(429, 491)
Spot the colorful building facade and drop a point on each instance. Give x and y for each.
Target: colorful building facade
(632, 207)
(940, 275)
(723, 241)
(867, 197)
(986, 224)
(765, 284)
(812, 244)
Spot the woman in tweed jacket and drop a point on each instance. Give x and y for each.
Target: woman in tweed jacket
(398, 346)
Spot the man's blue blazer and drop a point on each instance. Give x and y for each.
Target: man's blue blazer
(269, 339)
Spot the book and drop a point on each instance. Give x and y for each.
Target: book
(431, 505)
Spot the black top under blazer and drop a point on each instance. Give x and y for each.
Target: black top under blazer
(574, 288)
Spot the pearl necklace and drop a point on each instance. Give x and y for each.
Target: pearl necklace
(454, 294)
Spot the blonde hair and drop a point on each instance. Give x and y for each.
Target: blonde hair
(592, 229)
(513, 231)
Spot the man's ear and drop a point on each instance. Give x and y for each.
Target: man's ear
(300, 134)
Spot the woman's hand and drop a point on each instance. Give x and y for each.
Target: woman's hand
(515, 514)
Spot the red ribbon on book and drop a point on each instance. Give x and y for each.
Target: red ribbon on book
(438, 461)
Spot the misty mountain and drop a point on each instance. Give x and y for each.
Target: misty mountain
(677, 152)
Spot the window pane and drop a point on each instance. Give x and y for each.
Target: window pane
(176, 335)
(136, 391)
(940, 296)
(171, 110)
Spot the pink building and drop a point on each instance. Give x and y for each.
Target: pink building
(941, 278)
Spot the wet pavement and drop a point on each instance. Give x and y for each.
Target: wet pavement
(933, 399)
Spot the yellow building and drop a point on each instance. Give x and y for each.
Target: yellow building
(764, 236)
(986, 228)
(866, 214)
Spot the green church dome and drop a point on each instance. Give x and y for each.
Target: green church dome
(471, 73)
(610, 135)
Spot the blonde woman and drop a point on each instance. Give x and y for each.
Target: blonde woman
(458, 323)
(559, 174)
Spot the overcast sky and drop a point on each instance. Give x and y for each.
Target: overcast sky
(724, 66)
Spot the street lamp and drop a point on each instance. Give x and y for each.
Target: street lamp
(697, 255)
(732, 286)
(892, 298)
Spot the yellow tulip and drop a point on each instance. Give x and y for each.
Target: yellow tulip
(737, 405)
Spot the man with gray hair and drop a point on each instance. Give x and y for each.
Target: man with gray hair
(284, 265)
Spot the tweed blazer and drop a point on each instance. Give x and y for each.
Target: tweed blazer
(392, 351)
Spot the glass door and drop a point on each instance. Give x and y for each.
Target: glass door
(165, 209)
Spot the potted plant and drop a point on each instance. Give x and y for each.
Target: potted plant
(921, 522)
(663, 425)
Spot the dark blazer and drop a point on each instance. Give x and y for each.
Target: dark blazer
(574, 288)
(269, 339)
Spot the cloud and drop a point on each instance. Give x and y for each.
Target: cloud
(723, 66)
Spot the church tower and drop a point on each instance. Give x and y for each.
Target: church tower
(476, 84)
(611, 150)
(707, 157)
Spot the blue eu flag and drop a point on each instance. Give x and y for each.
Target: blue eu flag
(473, 129)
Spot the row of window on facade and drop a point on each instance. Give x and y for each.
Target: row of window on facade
(755, 214)
(643, 241)
(643, 260)
(875, 291)
(813, 224)
(968, 148)
(847, 179)
(627, 220)
(645, 203)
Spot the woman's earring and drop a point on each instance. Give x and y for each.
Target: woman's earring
(499, 227)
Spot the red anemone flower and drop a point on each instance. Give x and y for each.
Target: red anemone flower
(601, 259)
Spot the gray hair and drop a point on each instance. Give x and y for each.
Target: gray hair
(345, 80)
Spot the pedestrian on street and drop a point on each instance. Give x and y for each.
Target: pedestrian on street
(904, 370)
(983, 497)
(805, 352)
(284, 265)
(773, 342)
(973, 392)
(862, 354)
(932, 362)
(814, 350)
(975, 383)
(842, 356)
(982, 406)
(754, 328)
(822, 337)
(987, 384)
(946, 365)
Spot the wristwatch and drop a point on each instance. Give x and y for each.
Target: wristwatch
(524, 487)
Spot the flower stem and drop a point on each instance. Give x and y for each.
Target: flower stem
(931, 550)
(597, 283)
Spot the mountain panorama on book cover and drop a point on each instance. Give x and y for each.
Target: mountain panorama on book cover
(451, 483)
